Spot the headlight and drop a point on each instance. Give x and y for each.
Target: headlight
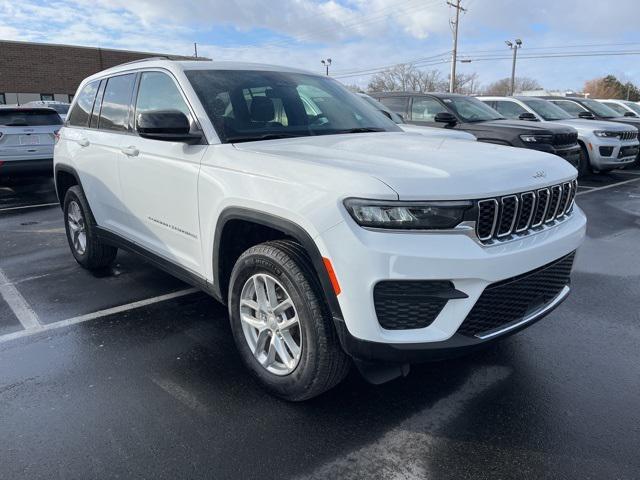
(536, 138)
(406, 215)
(604, 133)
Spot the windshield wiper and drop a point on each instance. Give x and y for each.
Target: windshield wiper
(266, 136)
(17, 124)
(362, 130)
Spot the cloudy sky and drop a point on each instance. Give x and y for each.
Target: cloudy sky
(359, 35)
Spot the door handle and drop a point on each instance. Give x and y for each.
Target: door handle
(131, 151)
(83, 142)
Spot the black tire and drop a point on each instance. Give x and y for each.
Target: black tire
(584, 164)
(323, 364)
(96, 255)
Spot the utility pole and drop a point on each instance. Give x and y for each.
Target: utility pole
(326, 63)
(454, 53)
(195, 49)
(515, 48)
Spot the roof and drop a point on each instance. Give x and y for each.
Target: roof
(419, 94)
(184, 65)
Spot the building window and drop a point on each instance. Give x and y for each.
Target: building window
(3, 101)
(46, 96)
(70, 97)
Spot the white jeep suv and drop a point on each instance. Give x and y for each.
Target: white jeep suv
(331, 234)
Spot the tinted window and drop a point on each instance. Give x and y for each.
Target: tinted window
(79, 116)
(159, 92)
(93, 123)
(619, 109)
(572, 108)
(547, 110)
(114, 114)
(509, 109)
(633, 106)
(599, 109)
(471, 109)
(246, 105)
(28, 118)
(59, 107)
(379, 106)
(425, 109)
(396, 104)
(2, 99)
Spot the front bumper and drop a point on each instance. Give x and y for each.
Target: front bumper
(570, 153)
(18, 168)
(612, 153)
(363, 258)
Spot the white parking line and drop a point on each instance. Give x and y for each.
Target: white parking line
(18, 305)
(597, 189)
(94, 315)
(28, 206)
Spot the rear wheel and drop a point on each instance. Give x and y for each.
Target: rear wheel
(281, 323)
(80, 225)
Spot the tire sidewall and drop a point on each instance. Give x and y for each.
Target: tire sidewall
(74, 194)
(296, 381)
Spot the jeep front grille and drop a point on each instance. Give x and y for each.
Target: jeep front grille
(503, 217)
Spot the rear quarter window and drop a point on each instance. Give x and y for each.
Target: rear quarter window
(81, 111)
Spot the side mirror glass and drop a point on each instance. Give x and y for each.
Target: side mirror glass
(446, 117)
(167, 125)
(528, 116)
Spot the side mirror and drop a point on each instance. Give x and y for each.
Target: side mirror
(167, 125)
(586, 115)
(630, 114)
(386, 114)
(446, 117)
(528, 116)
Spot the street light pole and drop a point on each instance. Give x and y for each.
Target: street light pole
(514, 47)
(326, 63)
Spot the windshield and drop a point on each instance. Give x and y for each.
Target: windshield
(379, 106)
(633, 106)
(547, 110)
(28, 118)
(599, 109)
(471, 109)
(246, 105)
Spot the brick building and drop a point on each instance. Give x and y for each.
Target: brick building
(41, 71)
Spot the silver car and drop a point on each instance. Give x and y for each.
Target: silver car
(27, 136)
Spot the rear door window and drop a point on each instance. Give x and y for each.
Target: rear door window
(29, 118)
(114, 114)
(81, 112)
(396, 104)
(570, 107)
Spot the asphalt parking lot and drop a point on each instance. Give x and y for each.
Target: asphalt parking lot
(132, 374)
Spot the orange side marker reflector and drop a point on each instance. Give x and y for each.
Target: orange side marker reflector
(590, 146)
(332, 275)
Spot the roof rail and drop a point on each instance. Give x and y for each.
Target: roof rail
(146, 59)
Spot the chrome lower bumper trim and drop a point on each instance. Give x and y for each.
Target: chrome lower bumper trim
(530, 318)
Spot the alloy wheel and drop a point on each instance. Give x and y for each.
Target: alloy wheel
(270, 324)
(77, 228)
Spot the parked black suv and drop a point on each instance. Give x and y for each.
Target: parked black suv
(579, 107)
(469, 114)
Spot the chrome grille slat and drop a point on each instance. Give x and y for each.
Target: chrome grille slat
(501, 218)
(527, 203)
(554, 203)
(508, 215)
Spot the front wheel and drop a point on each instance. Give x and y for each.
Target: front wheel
(584, 164)
(281, 323)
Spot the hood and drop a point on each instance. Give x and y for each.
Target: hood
(519, 126)
(437, 132)
(588, 126)
(422, 167)
(628, 120)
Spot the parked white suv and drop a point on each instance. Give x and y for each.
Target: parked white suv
(328, 231)
(604, 145)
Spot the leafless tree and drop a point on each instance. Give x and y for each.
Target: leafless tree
(409, 78)
(503, 87)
